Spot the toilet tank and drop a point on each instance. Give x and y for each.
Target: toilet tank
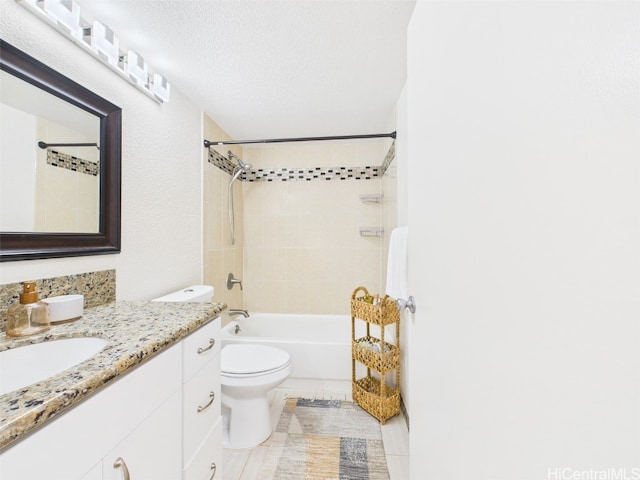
(193, 293)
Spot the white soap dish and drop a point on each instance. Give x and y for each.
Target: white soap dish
(65, 308)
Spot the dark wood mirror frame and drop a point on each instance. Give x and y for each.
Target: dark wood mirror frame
(26, 246)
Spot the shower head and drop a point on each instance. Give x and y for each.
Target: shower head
(244, 166)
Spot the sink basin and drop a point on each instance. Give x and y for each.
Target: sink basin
(23, 366)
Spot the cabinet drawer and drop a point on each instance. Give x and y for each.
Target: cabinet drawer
(207, 463)
(197, 396)
(200, 347)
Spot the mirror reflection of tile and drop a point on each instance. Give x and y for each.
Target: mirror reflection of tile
(71, 162)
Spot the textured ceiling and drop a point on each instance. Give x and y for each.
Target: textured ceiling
(270, 69)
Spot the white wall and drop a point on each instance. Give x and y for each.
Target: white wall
(162, 178)
(402, 201)
(524, 131)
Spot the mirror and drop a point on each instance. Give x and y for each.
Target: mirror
(60, 164)
(49, 160)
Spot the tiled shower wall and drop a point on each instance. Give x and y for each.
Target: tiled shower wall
(220, 257)
(68, 187)
(303, 252)
(59, 188)
(389, 211)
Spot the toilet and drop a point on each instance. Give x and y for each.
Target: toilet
(247, 374)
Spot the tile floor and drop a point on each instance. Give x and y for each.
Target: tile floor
(246, 464)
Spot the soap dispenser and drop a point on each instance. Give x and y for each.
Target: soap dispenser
(29, 316)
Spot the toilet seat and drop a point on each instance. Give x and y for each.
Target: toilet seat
(252, 360)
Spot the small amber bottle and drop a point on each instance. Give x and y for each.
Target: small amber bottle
(29, 316)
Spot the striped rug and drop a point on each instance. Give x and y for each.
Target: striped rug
(325, 440)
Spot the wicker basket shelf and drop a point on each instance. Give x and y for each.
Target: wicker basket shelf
(372, 394)
(362, 307)
(382, 362)
(381, 404)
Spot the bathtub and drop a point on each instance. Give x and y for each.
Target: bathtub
(319, 345)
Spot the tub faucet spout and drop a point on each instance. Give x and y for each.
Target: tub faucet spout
(237, 311)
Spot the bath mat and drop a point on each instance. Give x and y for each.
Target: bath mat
(325, 440)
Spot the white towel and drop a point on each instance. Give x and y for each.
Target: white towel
(397, 264)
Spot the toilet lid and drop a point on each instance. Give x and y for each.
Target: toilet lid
(245, 359)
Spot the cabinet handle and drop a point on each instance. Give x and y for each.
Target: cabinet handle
(212, 342)
(120, 463)
(211, 396)
(213, 473)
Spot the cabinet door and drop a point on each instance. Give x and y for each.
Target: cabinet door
(152, 450)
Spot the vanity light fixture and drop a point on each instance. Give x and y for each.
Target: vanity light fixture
(104, 43)
(99, 40)
(66, 14)
(136, 68)
(161, 87)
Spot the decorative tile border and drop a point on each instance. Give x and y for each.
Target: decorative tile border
(310, 174)
(70, 162)
(391, 154)
(98, 288)
(304, 174)
(220, 161)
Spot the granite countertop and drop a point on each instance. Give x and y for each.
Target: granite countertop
(135, 331)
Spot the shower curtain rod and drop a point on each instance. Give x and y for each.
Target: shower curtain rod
(208, 143)
(44, 145)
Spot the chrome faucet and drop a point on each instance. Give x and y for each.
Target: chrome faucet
(237, 311)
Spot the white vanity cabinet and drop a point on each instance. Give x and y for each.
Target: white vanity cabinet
(146, 422)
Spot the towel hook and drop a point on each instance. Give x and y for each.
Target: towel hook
(410, 303)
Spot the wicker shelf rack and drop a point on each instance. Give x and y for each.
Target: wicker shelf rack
(381, 359)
